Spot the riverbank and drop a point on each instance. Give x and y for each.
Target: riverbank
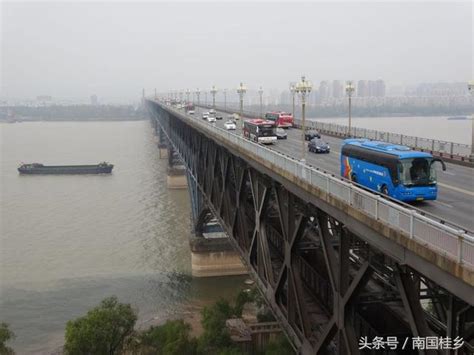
(56, 113)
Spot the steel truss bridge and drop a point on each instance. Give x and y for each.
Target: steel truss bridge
(334, 263)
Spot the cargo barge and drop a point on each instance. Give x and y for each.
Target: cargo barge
(40, 169)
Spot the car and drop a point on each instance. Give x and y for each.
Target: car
(211, 119)
(317, 145)
(205, 115)
(235, 116)
(309, 135)
(219, 116)
(212, 111)
(191, 112)
(281, 133)
(230, 125)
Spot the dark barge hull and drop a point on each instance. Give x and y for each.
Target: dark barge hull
(66, 169)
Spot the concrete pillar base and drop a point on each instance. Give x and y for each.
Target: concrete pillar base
(177, 182)
(215, 257)
(163, 152)
(221, 263)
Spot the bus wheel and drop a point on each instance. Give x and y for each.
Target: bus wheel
(384, 190)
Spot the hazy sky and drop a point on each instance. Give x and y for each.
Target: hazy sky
(69, 49)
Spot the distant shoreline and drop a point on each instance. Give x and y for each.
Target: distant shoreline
(74, 113)
(91, 119)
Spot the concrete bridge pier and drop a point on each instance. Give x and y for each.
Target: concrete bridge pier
(214, 257)
(162, 142)
(163, 151)
(212, 253)
(176, 171)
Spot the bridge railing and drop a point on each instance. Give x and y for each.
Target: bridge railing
(432, 145)
(454, 150)
(449, 240)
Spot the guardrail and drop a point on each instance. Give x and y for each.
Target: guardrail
(453, 150)
(432, 145)
(449, 240)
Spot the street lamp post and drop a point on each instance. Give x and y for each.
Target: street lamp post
(225, 99)
(241, 90)
(205, 98)
(180, 96)
(293, 91)
(260, 92)
(350, 88)
(213, 93)
(198, 94)
(470, 87)
(303, 88)
(187, 95)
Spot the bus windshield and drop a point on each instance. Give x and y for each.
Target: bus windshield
(271, 116)
(417, 172)
(266, 131)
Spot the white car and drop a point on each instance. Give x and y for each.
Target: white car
(230, 125)
(205, 115)
(191, 112)
(211, 119)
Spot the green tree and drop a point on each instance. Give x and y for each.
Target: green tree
(243, 297)
(231, 351)
(215, 335)
(102, 331)
(279, 346)
(5, 335)
(172, 338)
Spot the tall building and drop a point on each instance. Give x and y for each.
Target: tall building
(285, 97)
(371, 88)
(337, 89)
(313, 97)
(362, 88)
(379, 88)
(323, 90)
(94, 100)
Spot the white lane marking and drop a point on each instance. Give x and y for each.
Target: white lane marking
(470, 193)
(449, 173)
(444, 204)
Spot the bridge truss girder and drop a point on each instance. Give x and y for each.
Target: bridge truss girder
(326, 285)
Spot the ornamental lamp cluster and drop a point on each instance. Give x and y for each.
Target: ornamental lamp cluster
(350, 88)
(303, 88)
(241, 90)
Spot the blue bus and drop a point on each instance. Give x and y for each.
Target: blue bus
(394, 170)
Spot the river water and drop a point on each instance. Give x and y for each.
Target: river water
(67, 242)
